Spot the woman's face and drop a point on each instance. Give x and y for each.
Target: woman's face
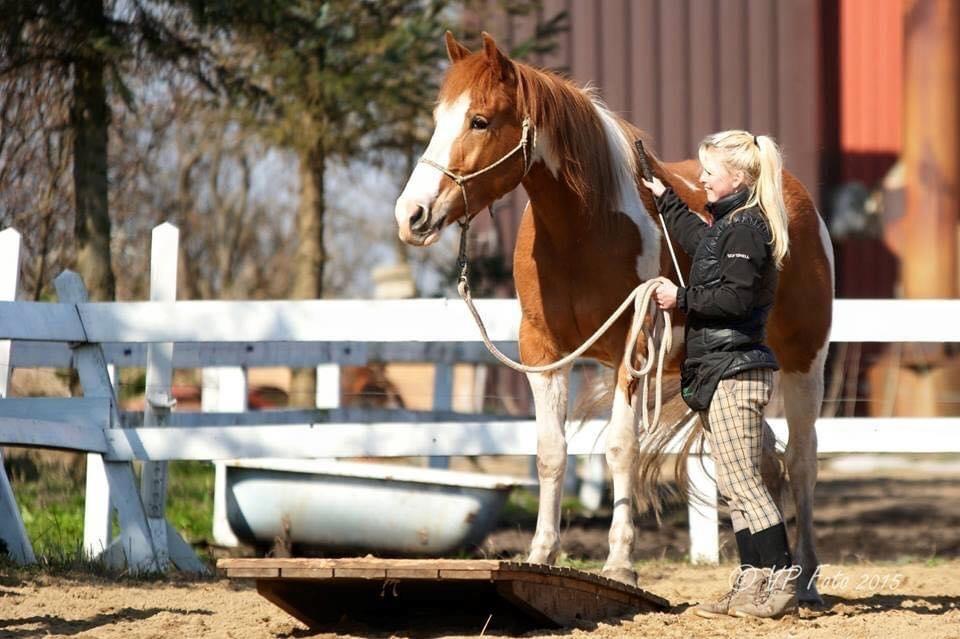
(717, 179)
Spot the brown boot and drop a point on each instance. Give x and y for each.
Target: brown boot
(775, 597)
(743, 591)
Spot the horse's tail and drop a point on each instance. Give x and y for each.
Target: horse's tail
(655, 446)
(595, 398)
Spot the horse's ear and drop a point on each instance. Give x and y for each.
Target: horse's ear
(455, 50)
(499, 62)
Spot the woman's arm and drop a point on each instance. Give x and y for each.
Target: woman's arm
(743, 258)
(685, 228)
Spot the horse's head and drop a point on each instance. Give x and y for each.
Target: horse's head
(480, 149)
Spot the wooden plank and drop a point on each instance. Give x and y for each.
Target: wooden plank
(359, 573)
(564, 607)
(93, 412)
(371, 590)
(798, 109)
(158, 394)
(293, 354)
(40, 321)
(904, 321)
(466, 574)
(732, 65)
(836, 435)
(704, 71)
(358, 562)
(249, 573)
(413, 573)
(194, 419)
(764, 46)
(284, 321)
(306, 441)
(645, 72)
(674, 58)
(113, 484)
(306, 573)
(46, 434)
(12, 531)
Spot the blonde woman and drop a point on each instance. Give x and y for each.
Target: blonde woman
(728, 370)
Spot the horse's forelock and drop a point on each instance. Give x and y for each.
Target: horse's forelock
(474, 74)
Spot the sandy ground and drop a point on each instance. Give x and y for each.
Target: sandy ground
(863, 600)
(890, 542)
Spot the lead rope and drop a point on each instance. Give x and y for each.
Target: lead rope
(659, 340)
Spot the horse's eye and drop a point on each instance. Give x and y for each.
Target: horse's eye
(479, 123)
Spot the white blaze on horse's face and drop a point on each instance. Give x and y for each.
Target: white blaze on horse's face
(417, 218)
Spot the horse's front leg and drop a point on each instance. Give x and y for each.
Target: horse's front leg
(550, 402)
(621, 453)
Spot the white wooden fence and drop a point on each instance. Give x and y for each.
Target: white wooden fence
(162, 335)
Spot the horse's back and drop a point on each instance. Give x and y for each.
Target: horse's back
(800, 322)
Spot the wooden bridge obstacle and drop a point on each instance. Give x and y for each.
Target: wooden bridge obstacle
(439, 593)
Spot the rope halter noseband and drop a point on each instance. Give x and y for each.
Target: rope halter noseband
(461, 180)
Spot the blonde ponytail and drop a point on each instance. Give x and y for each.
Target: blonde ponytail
(762, 164)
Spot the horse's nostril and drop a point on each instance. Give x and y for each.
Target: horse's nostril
(419, 218)
(417, 215)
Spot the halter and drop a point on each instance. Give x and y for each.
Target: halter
(461, 180)
(659, 340)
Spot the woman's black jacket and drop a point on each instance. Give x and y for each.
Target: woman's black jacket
(729, 294)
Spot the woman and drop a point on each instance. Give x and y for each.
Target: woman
(728, 371)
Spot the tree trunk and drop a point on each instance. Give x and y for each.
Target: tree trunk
(309, 260)
(90, 117)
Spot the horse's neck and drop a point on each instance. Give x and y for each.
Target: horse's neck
(555, 207)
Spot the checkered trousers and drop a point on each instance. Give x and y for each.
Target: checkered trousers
(735, 430)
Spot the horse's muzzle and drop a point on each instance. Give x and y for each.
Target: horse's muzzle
(417, 224)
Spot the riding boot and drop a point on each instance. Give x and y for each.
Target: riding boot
(776, 595)
(743, 591)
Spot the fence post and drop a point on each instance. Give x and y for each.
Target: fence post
(158, 401)
(12, 531)
(442, 400)
(134, 547)
(328, 385)
(224, 391)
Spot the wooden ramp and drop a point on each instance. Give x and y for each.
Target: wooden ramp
(454, 593)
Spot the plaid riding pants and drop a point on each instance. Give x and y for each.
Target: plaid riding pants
(734, 428)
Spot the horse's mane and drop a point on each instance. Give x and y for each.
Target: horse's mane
(579, 125)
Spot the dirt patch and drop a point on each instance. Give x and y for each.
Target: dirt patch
(863, 600)
(899, 514)
(889, 542)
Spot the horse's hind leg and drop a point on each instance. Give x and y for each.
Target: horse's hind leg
(803, 395)
(621, 453)
(550, 402)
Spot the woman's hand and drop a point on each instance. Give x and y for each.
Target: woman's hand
(655, 185)
(666, 294)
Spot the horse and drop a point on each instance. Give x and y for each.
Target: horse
(587, 238)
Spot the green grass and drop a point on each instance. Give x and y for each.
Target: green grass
(521, 508)
(190, 500)
(51, 505)
(52, 510)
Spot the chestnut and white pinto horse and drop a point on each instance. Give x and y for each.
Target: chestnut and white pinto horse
(586, 240)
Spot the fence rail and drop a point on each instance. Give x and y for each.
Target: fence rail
(164, 335)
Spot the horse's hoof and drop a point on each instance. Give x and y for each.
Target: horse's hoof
(623, 575)
(540, 558)
(810, 598)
